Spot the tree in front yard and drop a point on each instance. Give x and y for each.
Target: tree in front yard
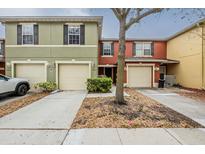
(127, 17)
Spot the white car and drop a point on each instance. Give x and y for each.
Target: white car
(16, 86)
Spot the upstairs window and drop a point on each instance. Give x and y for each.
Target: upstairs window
(143, 49)
(107, 49)
(73, 34)
(27, 34)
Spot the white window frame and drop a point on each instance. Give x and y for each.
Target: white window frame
(110, 48)
(23, 34)
(73, 26)
(143, 49)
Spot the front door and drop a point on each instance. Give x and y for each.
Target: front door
(108, 72)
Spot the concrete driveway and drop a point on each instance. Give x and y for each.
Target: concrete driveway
(44, 122)
(186, 106)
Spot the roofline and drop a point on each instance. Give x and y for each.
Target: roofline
(134, 39)
(152, 60)
(86, 19)
(50, 18)
(186, 29)
(97, 19)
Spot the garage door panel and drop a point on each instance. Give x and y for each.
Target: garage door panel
(139, 76)
(73, 76)
(35, 73)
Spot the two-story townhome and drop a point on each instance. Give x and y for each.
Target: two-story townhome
(188, 47)
(145, 59)
(59, 49)
(2, 57)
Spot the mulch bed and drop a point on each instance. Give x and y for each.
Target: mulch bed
(20, 103)
(140, 112)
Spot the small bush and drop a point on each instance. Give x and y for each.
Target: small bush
(99, 84)
(46, 86)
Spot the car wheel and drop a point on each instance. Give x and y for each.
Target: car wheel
(22, 90)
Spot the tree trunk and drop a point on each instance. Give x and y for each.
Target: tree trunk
(121, 63)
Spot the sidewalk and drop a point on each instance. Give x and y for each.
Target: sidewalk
(138, 136)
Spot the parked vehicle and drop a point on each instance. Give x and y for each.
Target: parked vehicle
(15, 86)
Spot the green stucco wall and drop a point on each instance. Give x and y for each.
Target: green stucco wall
(51, 35)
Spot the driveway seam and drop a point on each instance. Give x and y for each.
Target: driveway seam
(66, 135)
(119, 136)
(172, 136)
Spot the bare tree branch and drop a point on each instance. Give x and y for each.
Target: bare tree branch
(116, 13)
(140, 16)
(127, 11)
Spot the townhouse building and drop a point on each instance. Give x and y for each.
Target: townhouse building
(145, 59)
(68, 50)
(188, 47)
(59, 49)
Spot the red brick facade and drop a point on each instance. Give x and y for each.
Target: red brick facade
(2, 66)
(2, 59)
(159, 48)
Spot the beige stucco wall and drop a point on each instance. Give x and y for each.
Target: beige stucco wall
(187, 48)
(203, 53)
(52, 34)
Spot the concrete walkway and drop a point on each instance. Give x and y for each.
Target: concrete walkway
(43, 122)
(186, 106)
(139, 136)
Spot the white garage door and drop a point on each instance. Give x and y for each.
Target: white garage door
(139, 76)
(35, 73)
(73, 76)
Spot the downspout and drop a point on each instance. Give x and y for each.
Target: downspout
(203, 75)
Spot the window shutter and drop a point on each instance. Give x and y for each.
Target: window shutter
(101, 49)
(35, 34)
(2, 48)
(65, 35)
(112, 48)
(133, 49)
(82, 34)
(152, 48)
(19, 34)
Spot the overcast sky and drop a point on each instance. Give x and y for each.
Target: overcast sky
(156, 26)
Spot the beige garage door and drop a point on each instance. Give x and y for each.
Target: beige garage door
(73, 76)
(139, 76)
(35, 73)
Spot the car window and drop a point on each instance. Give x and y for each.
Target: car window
(2, 78)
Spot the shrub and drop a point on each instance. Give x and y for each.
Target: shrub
(46, 86)
(99, 84)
